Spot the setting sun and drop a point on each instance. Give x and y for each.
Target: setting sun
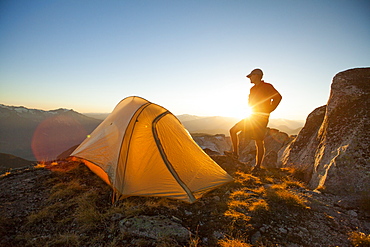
(243, 113)
(239, 112)
(248, 112)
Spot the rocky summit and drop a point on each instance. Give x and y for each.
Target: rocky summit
(333, 148)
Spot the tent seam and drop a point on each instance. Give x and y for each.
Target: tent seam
(140, 110)
(165, 159)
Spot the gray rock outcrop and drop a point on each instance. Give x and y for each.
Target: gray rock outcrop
(275, 140)
(155, 227)
(214, 143)
(333, 148)
(300, 153)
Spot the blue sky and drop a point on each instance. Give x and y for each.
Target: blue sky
(188, 56)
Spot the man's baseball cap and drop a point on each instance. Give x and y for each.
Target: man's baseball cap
(255, 72)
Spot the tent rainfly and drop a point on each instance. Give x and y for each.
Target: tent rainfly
(141, 149)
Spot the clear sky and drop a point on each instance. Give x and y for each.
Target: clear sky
(188, 56)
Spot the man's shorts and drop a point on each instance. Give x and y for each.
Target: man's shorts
(254, 127)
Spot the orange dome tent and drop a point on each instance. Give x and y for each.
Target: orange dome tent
(141, 149)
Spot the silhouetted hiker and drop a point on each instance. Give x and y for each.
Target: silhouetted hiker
(263, 99)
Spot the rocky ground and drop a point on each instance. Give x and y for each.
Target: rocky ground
(64, 204)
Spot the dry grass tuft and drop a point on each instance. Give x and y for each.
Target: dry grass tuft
(132, 208)
(65, 191)
(87, 213)
(260, 191)
(51, 213)
(68, 239)
(278, 194)
(290, 183)
(233, 243)
(359, 239)
(246, 179)
(5, 174)
(237, 216)
(241, 194)
(194, 239)
(259, 206)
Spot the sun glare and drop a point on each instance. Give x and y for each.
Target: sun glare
(225, 104)
(241, 113)
(248, 112)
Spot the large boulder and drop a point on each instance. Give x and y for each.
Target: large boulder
(333, 148)
(300, 153)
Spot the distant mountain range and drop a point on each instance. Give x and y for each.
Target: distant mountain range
(41, 135)
(221, 125)
(34, 134)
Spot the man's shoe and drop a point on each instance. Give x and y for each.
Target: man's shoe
(256, 170)
(232, 155)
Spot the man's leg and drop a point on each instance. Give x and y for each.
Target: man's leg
(234, 140)
(260, 148)
(234, 131)
(259, 130)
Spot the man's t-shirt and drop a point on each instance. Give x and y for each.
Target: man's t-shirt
(260, 98)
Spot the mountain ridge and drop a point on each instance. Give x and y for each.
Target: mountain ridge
(220, 125)
(34, 134)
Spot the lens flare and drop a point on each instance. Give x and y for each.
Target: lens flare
(55, 135)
